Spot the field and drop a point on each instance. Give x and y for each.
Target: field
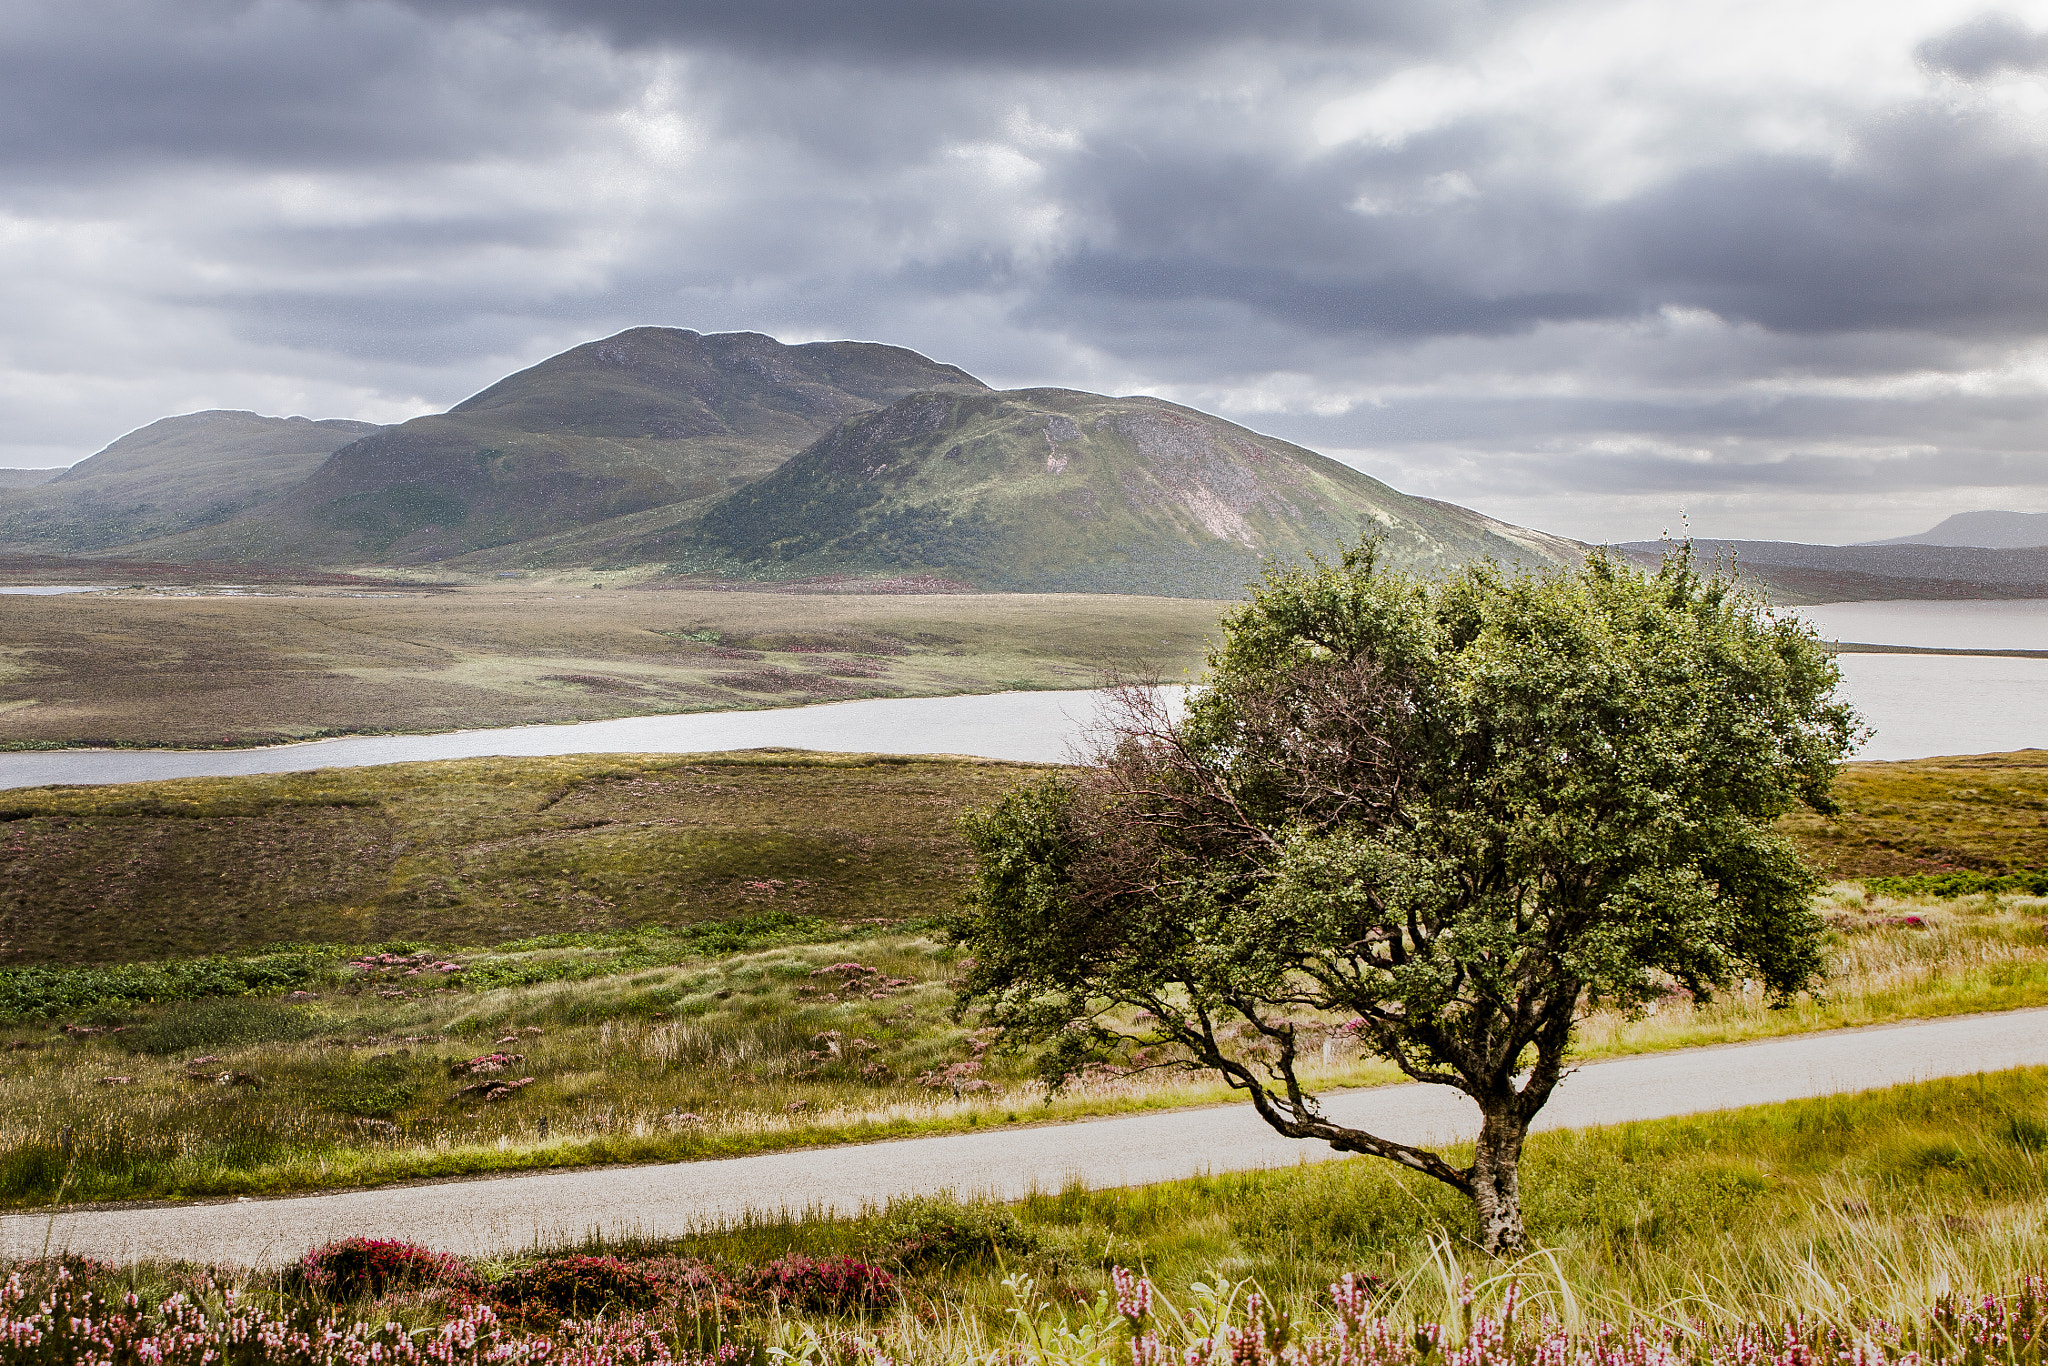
(187, 667)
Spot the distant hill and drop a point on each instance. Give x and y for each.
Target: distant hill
(732, 455)
(169, 477)
(1050, 490)
(652, 418)
(26, 479)
(1797, 573)
(1993, 530)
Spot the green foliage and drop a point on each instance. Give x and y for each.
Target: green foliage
(939, 1233)
(1458, 812)
(41, 993)
(221, 1023)
(1948, 886)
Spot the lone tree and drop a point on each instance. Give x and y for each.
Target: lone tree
(1460, 814)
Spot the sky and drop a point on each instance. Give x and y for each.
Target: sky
(1610, 268)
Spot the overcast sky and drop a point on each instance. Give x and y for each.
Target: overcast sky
(1777, 266)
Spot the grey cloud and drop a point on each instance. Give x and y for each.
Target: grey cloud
(132, 85)
(1985, 46)
(1066, 34)
(1936, 223)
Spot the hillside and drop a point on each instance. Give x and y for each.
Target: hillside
(26, 479)
(1994, 530)
(171, 476)
(1050, 490)
(652, 418)
(1797, 573)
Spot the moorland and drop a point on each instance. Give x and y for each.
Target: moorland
(752, 940)
(183, 665)
(756, 960)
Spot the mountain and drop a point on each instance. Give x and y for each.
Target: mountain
(171, 476)
(1992, 530)
(26, 479)
(1051, 490)
(1797, 573)
(651, 419)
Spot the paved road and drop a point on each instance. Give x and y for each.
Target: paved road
(514, 1213)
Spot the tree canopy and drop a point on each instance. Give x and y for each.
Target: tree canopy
(1452, 816)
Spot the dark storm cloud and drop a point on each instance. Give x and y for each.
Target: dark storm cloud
(140, 85)
(1986, 46)
(1935, 223)
(1022, 33)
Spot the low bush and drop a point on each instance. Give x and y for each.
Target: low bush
(934, 1233)
(577, 1287)
(831, 1285)
(42, 993)
(359, 1268)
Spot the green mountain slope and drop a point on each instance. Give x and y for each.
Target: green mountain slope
(652, 418)
(1049, 490)
(171, 476)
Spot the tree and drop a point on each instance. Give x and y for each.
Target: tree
(1459, 813)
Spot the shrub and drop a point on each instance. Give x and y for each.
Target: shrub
(834, 1285)
(358, 1267)
(933, 1232)
(576, 1287)
(40, 993)
(212, 1025)
(1948, 886)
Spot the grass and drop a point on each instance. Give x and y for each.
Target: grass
(144, 668)
(1842, 1211)
(720, 1039)
(481, 851)
(663, 923)
(478, 851)
(1867, 1204)
(1972, 813)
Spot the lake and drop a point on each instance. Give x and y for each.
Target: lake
(1920, 705)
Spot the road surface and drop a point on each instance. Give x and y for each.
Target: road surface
(514, 1213)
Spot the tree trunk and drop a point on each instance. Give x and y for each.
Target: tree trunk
(1497, 1182)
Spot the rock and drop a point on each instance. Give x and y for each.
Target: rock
(117, 1081)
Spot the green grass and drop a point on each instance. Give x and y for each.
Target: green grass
(725, 1038)
(1841, 1210)
(1867, 1204)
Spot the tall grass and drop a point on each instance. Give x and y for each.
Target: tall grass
(642, 1050)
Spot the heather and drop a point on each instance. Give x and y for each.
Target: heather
(65, 1321)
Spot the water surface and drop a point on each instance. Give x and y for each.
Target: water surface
(1920, 705)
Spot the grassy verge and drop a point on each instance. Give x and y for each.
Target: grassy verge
(1867, 1204)
(1851, 1213)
